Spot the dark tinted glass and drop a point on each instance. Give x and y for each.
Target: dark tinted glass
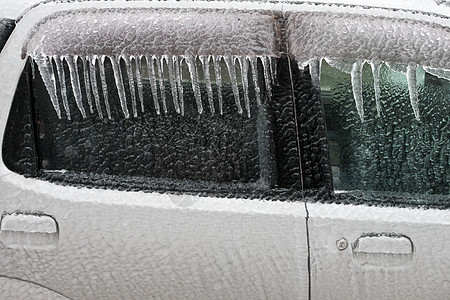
(225, 153)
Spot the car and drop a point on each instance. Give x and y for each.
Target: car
(225, 149)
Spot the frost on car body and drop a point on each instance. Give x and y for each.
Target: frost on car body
(189, 150)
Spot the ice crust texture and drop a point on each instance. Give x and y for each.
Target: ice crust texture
(368, 38)
(166, 38)
(350, 40)
(169, 38)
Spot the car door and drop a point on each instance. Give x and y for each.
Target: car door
(104, 199)
(99, 234)
(384, 233)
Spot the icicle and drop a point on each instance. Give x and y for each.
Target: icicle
(152, 79)
(314, 71)
(218, 74)
(75, 80)
(376, 66)
(254, 65)
(130, 76)
(104, 85)
(87, 84)
(172, 79)
(115, 61)
(244, 72)
(139, 84)
(411, 77)
(273, 69)
(190, 61)
(62, 83)
(48, 76)
(265, 62)
(232, 71)
(159, 67)
(33, 70)
(342, 64)
(302, 63)
(410, 71)
(179, 77)
(205, 63)
(92, 69)
(356, 75)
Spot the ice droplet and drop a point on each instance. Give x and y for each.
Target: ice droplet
(207, 77)
(230, 62)
(75, 80)
(411, 77)
(48, 77)
(356, 75)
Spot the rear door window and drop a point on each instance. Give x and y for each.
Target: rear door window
(397, 141)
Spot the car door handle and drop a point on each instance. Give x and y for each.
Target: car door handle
(28, 230)
(382, 249)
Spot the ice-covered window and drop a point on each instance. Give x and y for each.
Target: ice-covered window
(167, 100)
(243, 142)
(388, 126)
(153, 121)
(227, 101)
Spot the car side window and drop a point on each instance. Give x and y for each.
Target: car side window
(251, 153)
(397, 141)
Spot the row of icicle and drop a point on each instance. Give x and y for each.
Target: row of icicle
(154, 65)
(52, 73)
(355, 67)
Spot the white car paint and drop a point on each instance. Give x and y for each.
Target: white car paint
(342, 275)
(115, 244)
(135, 245)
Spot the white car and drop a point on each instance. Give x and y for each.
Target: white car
(225, 149)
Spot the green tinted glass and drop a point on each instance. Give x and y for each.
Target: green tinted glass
(398, 146)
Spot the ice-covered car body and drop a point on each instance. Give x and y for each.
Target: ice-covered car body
(176, 150)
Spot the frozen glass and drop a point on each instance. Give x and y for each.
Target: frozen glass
(402, 144)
